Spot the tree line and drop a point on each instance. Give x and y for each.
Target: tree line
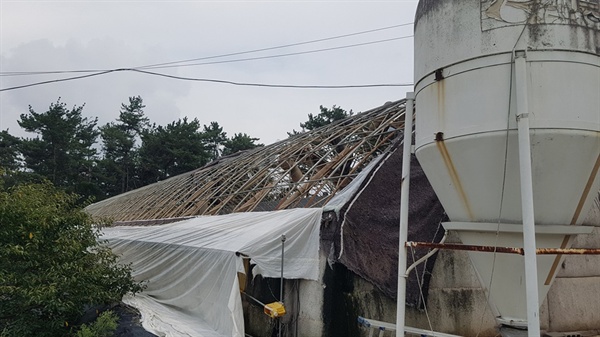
(74, 153)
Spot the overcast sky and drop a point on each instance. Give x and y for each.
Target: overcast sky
(101, 35)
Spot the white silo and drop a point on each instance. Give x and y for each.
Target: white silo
(478, 65)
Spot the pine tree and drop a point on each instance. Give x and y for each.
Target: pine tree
(62, 150)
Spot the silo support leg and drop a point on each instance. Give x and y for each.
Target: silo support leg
(522, 115)
(403, 234)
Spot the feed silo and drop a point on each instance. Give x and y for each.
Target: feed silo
(503, 88)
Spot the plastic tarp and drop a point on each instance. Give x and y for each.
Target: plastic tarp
(191, 266)
(343, 197)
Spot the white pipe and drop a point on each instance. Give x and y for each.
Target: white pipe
(425, 257)
(531, 281)
(403, 235)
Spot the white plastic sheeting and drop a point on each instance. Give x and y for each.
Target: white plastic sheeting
(343, 197)
(191, 266)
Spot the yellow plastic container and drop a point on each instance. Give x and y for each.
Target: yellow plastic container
(274, 310)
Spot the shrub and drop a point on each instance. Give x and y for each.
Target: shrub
(51, 264)
(104, 326)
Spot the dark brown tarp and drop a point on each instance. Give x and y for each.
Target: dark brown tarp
(370, 228)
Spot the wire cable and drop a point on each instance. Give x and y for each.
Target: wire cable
(97, 72)
(282, 55)
(422, 296)
(21, 73)
(247, 84)
(275, 85)
(510, 97)
(60, 80)
(276, 47)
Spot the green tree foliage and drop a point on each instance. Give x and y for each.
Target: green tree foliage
(9, 155)
(51, 265)
(10, 163)
(171, 150)
(62, 151)
(214, 138)
(118, 166)
(239, 142)
(104, 326)
(326, 116)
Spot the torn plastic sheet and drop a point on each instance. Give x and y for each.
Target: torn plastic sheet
(343, 197)
(191, 266)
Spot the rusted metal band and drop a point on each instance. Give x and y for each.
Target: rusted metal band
(454, 246)
(506, 250)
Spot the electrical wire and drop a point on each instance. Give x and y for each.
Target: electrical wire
(276, 47)
(510, 97)
(174, 64)
(247, 84)
(209, 63)
(275, 85)
(282, 55)
(60, 80)
(143, 69)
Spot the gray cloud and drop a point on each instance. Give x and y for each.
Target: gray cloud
(101, 35)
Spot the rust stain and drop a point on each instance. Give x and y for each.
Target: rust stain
(454, 175)
(473, 248)
(584, 195)
(572, 251)
(441, 101)
(507, 250)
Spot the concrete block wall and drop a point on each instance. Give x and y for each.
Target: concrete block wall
(310, 300)
(457, 302)
(574, 298)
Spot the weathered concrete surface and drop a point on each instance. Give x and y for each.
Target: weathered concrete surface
(582, 265)
(461, 311)
(579, 266)
(574, 304)
(587, 241)
(593, 217)
(544, 315)
(310, 298)
(453, 269)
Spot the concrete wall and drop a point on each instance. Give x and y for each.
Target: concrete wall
(310, 298)
(457, 303)
(574, 298)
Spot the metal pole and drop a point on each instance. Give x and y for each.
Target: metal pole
(281, 279)
(403, 235)
(531, 280)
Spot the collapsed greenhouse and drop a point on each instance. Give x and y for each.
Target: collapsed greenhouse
(320, 208)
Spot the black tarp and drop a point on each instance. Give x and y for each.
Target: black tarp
(368, 228)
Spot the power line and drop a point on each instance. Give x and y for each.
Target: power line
(275, 85)
(50, 72)
(264, 85)
(60, 80)
(281, 55)
(175, 64)
(141, 69)
(276, 47)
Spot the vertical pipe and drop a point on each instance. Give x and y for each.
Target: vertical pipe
(531, 280)
(403, 235)
(281, 279)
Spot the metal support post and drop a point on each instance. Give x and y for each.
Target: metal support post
(281, 280)
(531, 280)
(403, 234)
